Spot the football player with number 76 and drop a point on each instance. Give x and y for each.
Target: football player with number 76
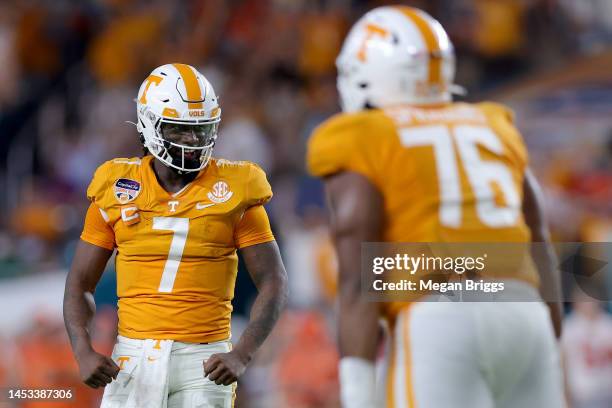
(404, 163)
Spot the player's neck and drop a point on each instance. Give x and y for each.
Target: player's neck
(171, 180)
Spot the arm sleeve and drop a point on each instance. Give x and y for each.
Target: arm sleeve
(96, 231)
(253, 228)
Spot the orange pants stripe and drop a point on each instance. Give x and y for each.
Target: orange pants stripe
(400, 391)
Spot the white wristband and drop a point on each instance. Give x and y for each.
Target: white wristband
(357, 382)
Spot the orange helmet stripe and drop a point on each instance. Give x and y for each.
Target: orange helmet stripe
(194, 92)
(431, 41)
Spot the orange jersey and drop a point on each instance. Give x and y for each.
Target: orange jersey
(176, 253)
(452, 173)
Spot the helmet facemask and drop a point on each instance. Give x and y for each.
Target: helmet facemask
(182, 146)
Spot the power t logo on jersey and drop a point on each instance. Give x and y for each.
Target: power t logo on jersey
(126, 190)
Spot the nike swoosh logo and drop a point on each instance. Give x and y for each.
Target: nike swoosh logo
(200, 206)
(151, 359)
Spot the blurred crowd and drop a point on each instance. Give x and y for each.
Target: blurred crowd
(71, 70)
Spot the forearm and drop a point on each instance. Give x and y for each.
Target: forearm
(356, 216)
(79, 311)
(96, 370)
(268, 305)
(358, 318)
(358, 328)
(79, 306)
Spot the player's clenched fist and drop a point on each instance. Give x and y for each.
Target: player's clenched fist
(96, 370)
(225, 368)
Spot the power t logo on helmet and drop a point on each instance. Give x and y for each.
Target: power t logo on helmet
(395, 55)
(178, 117)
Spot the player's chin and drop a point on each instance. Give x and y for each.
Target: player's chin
(188, 164)
(189, 160)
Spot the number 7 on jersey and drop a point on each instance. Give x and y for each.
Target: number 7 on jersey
(180, 227)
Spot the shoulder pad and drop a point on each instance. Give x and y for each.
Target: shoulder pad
(348, 142)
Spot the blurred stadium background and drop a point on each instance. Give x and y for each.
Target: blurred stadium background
(70, 71)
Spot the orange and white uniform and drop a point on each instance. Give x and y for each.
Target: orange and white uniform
(176, 268)
(176, 257)
(176, 253)
(448, 173)
(452, 173)
(399, 150)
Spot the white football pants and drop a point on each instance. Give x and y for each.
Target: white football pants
(181, 375)
(474, 355)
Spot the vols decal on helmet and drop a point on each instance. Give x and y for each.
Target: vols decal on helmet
(220, 192)
(126, 190)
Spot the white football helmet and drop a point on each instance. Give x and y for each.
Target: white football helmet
(395, 55)
(176, 96)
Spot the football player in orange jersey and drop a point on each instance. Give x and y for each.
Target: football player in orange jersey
(176, 218)
(403, 163)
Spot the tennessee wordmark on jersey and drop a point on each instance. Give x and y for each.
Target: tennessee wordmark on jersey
(176, 262)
